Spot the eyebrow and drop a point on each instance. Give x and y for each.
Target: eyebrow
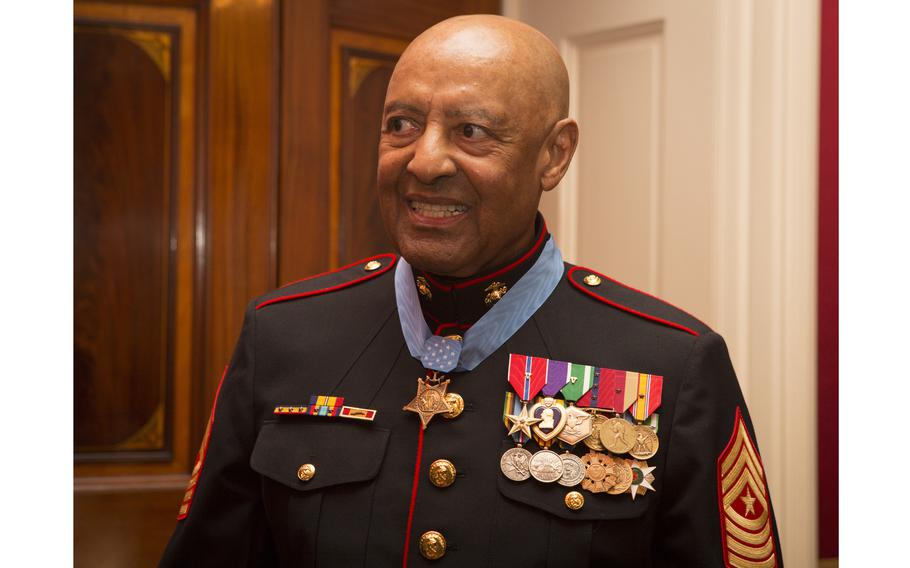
(474, 114)
(463, 114)
(396, 106)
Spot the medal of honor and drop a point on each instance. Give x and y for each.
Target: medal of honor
(546, 466)
(430, 399)
(573, 470)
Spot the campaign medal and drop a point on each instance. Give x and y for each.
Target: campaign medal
(623, 472)
(649, 390)
(515, 464)
(593, 441)
(617, 435)
(430, 399)
(599, 473)
(573, 470)
(646, 443)
(641, 478)
(579, 424)
(546, 466)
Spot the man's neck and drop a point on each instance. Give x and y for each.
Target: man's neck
(452, 305)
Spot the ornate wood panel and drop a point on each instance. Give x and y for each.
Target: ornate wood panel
(327, 207)
(361, 66)
(134, 168)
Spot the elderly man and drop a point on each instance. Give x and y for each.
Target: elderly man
(475, 401)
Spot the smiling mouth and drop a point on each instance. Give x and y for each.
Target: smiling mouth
(436, 211)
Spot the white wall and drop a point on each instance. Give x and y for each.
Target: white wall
(699, 146)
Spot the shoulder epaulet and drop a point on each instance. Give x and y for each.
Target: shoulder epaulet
(331, 281)
(628, 299)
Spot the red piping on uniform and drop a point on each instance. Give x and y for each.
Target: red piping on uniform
(205, 447)
(627, 308)
(459, 285)
(720, 496)
(368, 276)
(353, 264)
(407, 535)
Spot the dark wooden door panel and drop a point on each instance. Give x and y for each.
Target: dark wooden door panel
(122, 223)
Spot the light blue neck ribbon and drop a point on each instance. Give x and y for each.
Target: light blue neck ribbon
(490, 331)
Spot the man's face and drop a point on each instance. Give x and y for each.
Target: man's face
(458, 176)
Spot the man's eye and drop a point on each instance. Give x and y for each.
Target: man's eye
(473, 132)
(399, 125)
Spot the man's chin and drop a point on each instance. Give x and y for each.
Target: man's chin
(439, 261)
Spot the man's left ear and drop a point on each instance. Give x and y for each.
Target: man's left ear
(557, 153)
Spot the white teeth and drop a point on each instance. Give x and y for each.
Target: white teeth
(435, 210)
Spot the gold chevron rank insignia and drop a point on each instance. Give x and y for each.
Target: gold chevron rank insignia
(745, 518)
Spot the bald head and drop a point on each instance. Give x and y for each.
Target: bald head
(516, 51)
(474, 129)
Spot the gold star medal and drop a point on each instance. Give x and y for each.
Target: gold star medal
(430, 399)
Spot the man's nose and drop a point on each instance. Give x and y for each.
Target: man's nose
(432, 159)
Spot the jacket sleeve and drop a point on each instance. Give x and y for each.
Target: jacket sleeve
(716, 509)
(221, 521)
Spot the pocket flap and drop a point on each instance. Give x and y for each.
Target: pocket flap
(550, 497)
(340, 453)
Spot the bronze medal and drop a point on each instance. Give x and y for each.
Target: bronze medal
(546, 466)
(617, 435)
(573, 470)
(599, 473)
(593, 441)
(579, 425)
(514, 464)
(623, 472)
(646, 443)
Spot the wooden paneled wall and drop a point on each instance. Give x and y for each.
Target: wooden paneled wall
(222, 147)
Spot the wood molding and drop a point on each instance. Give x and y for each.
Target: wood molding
(183, 21)
(339, 41)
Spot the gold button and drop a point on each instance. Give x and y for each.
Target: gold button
(442, 473)
(455, 337)
(432, 545)
(575, 500)
(592, 280)
(456, 405)
(372, 265)
(306, 472)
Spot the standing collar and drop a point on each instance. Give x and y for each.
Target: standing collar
(451, 306)
(488, 334)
